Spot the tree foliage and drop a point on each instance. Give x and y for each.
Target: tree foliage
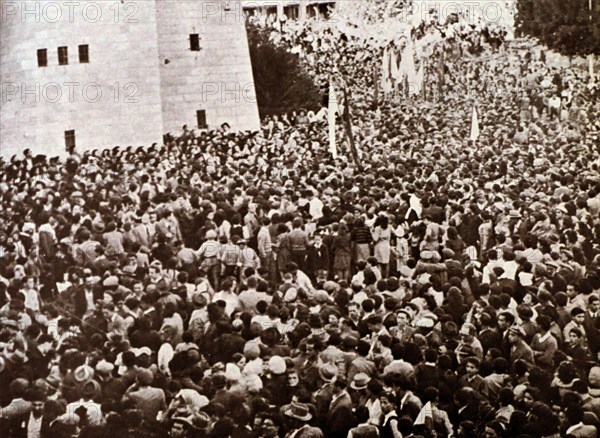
(562, 25)
(281, 83)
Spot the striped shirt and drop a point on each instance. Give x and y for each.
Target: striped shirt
(361, 235)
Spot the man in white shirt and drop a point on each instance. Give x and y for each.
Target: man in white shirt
(166, 352)
(232, 301)
(316, 206)
(509, 265)
(32, 298)
(208, 254)
(265, 247)
(554, 106)
(94, 410)
(300, 278)
(35, 421)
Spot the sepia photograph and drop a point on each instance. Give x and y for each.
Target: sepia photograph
(299, 219)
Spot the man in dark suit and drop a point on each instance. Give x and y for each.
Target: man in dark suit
(519, 349)
(408, 404)
(472, 379)
(590, 324)
(577, 428)
(466, 406)
(317, 259)
(39, 354)
(505, 321)
(30, 421)
(339, 416)
(38, 418)
(361, 364)
(85, 297)
(113, 389)
(324, 395)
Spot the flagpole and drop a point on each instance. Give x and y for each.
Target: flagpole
(474, 135)
(424, 81)
(331, 109)
(591, 55)
(375, 104)
(348, 124)
(441, 71)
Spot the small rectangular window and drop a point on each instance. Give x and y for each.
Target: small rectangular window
(325, 10)
(271, 11)
(291, 12)
(42, 57)
(194, 42)
(84, 54)
(70, 140)
(63, 55)
(201, 116)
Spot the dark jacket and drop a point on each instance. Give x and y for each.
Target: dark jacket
(80, 302)
(317, 258)
(339, 417)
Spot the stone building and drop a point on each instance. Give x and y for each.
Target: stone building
(96, 74)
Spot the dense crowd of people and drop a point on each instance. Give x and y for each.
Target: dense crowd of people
(249, 285)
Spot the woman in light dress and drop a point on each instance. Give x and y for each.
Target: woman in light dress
(382, 235)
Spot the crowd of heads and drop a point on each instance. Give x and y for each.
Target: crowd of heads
(238, 284)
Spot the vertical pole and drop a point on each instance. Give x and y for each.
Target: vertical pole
(591, 55)
(348, 124)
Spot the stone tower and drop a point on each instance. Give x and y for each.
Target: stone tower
(96, 74)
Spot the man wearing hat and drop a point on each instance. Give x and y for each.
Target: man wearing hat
(112, 389)
(519, 348)
(358, 387)
(277, 380)
(182, 427)
(248, 258)
(328, 373)
(300, 415)
(83, 374)
(199, 316)
(89, 391)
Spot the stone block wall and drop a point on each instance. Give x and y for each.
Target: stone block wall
(126, 94)
(218, 78)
